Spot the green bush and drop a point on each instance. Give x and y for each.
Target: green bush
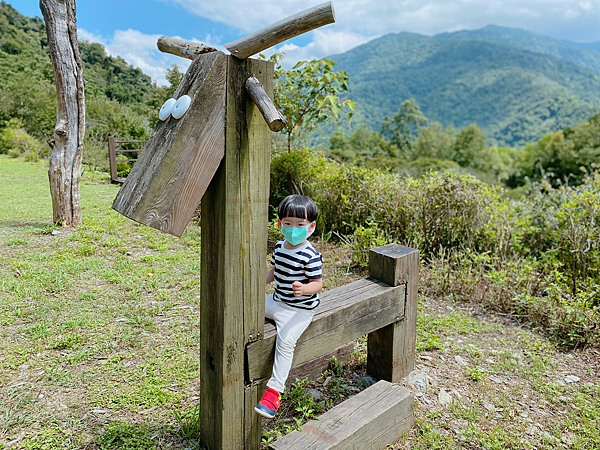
(16, 142)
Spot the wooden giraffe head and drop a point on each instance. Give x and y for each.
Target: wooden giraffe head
(183, 153)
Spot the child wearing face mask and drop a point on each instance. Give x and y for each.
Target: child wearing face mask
(298, 280)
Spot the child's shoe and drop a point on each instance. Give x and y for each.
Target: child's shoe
(268, 404)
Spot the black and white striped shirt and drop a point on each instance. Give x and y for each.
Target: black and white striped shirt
(300, 264)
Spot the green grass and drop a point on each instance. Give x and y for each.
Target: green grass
(102, 317)
(100, 329)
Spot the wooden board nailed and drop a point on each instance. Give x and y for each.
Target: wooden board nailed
(167, 182)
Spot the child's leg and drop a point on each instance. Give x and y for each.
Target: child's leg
(291, 323)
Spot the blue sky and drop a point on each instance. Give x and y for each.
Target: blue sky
(130, 28)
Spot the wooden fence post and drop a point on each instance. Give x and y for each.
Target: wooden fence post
(112, 158)
(234, 241)
(391, 350)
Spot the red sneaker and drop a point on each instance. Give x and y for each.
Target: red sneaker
(268, 404)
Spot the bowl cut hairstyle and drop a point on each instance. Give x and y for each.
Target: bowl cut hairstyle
(299, 206)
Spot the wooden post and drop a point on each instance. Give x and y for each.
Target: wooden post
(234, 227)
(112, 159)
(391, 350)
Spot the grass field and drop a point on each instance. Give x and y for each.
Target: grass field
(99, 344)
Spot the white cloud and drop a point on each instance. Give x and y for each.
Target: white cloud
(378, 17)
(358, 21)
(140, 50)
(325, 42)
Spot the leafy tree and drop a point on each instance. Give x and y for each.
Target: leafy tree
(469, 148)
(401, 130)
(309, 94)
(563, 157)
(434, 142)
(362, 145)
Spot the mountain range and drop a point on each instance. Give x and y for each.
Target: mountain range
(515, 84)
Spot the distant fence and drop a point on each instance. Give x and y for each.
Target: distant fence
(115, 147)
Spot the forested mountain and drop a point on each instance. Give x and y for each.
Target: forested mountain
(490, 77)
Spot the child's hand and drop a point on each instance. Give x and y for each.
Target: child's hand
(298, 289)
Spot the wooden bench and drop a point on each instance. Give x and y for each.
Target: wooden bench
(370, 420)
(382, 306)
(345, 313)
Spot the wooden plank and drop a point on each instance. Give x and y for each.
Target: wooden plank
(377, 416)
(313, 369)
(391, 350)
(283, 30)
(167, 182)
(233, 266)
(346, 313)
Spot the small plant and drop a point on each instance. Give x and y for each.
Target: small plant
(475, 373)
(189, 422)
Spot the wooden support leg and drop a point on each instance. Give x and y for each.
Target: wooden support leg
(391, 350)
(234, 245)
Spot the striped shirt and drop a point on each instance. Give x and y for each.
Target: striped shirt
(300, 264)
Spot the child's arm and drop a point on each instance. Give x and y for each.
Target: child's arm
(271, 276)
(311, 288)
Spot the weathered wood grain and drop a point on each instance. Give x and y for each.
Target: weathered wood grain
(283, 30)
(345, 313)
(377, 416)
(314, 368)
(64, 167)
(265, 105)
(180, 47)
(253, 421)
(233, 265)
(168, 180)
(391, 350)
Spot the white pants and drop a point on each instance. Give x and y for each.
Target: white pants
(291, 323)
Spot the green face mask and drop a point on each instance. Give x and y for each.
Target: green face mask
(295, 235)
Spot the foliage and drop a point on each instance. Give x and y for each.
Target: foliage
(309, 94)
(562, 157)
(28, 94)
(15, 141)
(401, 129)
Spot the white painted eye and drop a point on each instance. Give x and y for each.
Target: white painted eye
(181, 106)
(166, 109)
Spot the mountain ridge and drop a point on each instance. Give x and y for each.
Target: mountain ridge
(514, 94)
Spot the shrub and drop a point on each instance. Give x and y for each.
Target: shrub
(16, 142)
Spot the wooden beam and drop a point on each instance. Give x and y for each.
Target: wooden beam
(313, 369)
(264, 103)
(180, 47)
(178, 162)
(283, 30)
(370, 420)
(346, 313)
(391, 350)
(233, 266)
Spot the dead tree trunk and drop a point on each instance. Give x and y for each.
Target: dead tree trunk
(64, 171)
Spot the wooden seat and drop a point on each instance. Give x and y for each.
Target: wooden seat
(345, 313)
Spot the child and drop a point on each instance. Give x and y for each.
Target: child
(298, 280)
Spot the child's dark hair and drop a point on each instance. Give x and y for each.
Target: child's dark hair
(299, 206)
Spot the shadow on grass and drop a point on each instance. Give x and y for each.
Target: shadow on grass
(36, 227)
